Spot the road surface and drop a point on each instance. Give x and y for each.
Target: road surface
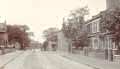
(36, 59)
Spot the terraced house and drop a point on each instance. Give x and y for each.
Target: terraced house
(100, 41)
(3, 36)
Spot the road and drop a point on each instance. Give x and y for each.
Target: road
(35, 59)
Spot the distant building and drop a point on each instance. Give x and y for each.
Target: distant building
(3, 35)
(52, 41)
(52, 46)
(34, 45)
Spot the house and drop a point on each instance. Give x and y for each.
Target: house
(63, 43)
(52, 42)
(52, 45)
(100, 39)
(3, 35)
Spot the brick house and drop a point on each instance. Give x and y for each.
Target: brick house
(100, 41)
(3, 35)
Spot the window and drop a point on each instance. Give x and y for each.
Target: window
(98, 25)
(96, 45)
(88, 28)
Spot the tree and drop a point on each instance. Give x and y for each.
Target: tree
(74, 22)
(111, 22)
(73, 25)
(82, 40)
(16, 34)
(80, 12)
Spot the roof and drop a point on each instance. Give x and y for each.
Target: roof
(93, 18)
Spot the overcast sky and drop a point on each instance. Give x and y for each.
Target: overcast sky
(42, 14)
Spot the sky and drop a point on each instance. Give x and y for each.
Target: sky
(42, 14)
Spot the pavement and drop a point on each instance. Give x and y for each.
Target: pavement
(7, 58)
(36, 59)
(92, 62)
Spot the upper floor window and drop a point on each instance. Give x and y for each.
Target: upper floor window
(89, 28)
(95, 26)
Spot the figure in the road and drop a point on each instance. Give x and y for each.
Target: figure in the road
(45, 45)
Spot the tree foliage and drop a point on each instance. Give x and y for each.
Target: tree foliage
(69, 31)
(82, 40)
(17, 34)
(111, 22)
(73, 25)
